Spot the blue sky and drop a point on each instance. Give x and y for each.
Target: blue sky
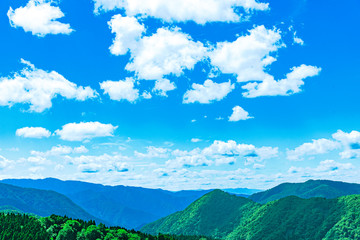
(217, 94)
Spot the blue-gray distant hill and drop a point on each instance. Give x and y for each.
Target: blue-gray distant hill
(40, 202)
(312, 188)
(130, 207)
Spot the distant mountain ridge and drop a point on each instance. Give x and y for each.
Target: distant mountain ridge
(40, 202)
(312, 188)
(130, 207)
(221, 215)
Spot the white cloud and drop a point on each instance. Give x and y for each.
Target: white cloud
(347, 138)
(39, 18)
(248, 56)
(101, 163)
(195, 140)
(153, 152)
(163, 86)
(121, 90)
(61, 150)
(188, 161)
(37, 159)
(85, 131)
(33, 132)
(316, 147)
(37, 88)
(165, 52)
(239, 114)
(325, 168)
(128, 31)
(232, 149)
(351, 143)
(146, 95)
(199, 11)
(219, 153)
(298, 40)
(331, 165)
(208, 92)
(290, 85)
(4, 162)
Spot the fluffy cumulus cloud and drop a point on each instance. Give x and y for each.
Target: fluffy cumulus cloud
(199, 11)
(121, 90)
(327, 168)
(163, 86)
(233, 149)
(33, 132)
(39, 17)
(219, 153)
(195, 160)
(101, 163)
(4, 163)
(153, 152)
(85, 131)
(347, 143)
(350, 142)
(168, 51)
(61, 150)
(239, 114)
(284, 87)
(208, 92)
(316, 147)
(127, 30)
(248, 56)
(37, 88)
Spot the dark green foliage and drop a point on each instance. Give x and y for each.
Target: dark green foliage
(24, 227)
(221, 215)
(312, 188)
(14, 226)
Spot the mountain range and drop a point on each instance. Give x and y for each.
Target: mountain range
(130, 207)
(224, 216)
(214, 213)
(308, 189)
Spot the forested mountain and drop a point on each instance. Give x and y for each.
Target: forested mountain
(215, 214)
(39, 202)
(24, 227)
(312, 188)
(130, 207)
(221, 215)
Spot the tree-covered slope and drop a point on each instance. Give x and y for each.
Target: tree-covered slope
(309, 189)
(220, 215)
(290, 218)
(39, 202)
(24, 227)
(215, 214)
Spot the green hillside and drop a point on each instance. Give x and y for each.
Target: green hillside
(221, 215)
(39, 202)
(215, 214)
(312, 188)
